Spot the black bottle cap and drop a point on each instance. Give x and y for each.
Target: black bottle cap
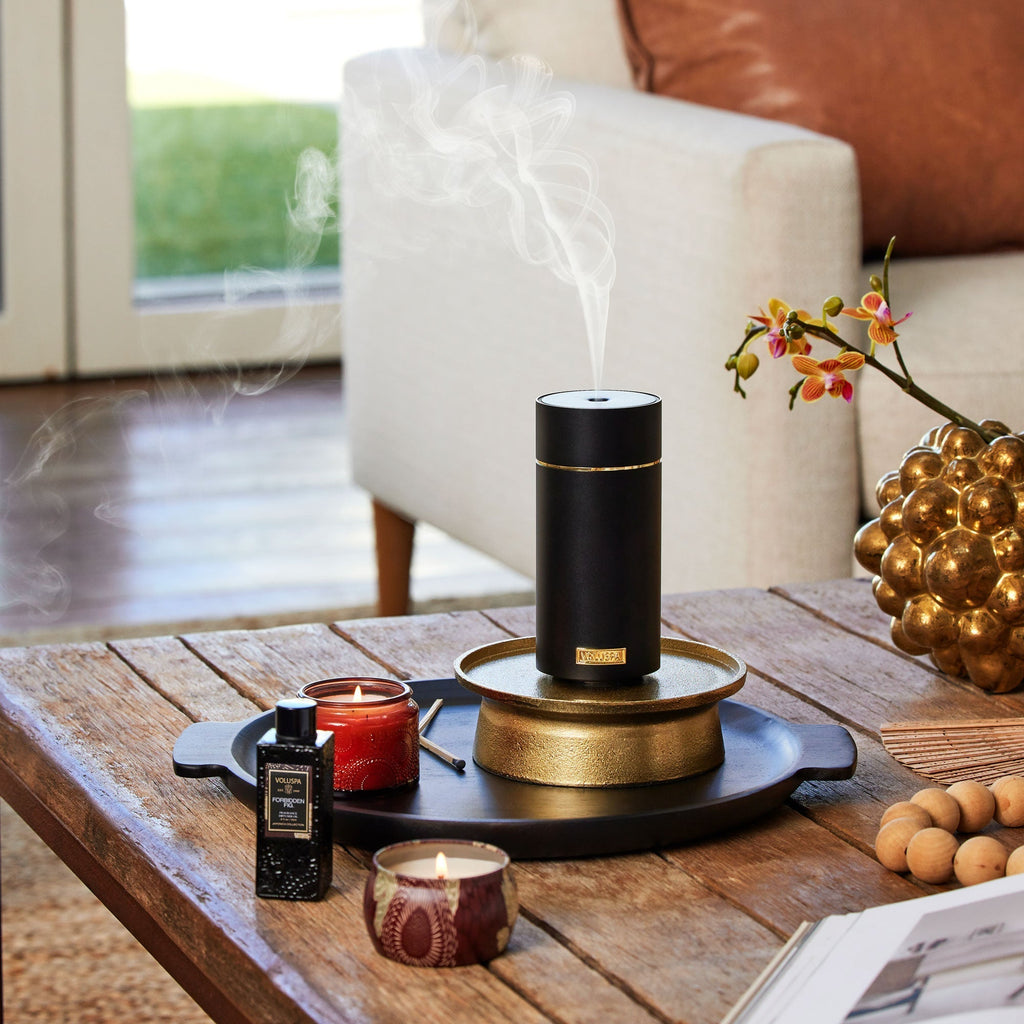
(295, 720)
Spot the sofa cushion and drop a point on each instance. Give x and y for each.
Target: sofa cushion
(577, 39)
(929, 95)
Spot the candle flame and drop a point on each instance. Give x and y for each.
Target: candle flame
(441, 866)
(358, 695)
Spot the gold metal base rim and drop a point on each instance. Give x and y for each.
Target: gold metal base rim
(662, 728)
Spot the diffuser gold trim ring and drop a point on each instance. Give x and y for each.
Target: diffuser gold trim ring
(598, 469)
(661, 727)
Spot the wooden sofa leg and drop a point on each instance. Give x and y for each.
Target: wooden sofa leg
(394, 534)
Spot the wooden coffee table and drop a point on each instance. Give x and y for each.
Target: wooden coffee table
(87, 730)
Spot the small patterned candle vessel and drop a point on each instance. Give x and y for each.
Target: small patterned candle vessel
(374, 721)
(440, 903)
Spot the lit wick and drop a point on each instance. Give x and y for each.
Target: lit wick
(441, 866)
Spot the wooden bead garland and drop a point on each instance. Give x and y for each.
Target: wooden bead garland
(918, 835)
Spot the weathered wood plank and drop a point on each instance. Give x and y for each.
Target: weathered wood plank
(861, 683)
(515, 621)
(784, 869)
(167, 665)
(422, 646)
(267, 664)
(851, 604)
(848, 603)
(662, 934)
(578, 990)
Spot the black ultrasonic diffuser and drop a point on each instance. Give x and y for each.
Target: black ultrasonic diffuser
(598, 535)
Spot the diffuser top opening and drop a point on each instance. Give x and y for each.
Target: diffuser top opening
(599, 399)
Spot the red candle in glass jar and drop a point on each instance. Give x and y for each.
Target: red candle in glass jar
(376, 740)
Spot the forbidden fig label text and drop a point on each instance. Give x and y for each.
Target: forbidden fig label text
(288, 811)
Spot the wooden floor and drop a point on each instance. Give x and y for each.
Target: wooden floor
(152, 505)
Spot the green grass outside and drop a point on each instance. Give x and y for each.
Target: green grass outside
(213, 184)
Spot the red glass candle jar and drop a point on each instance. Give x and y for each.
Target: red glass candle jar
(374, 721)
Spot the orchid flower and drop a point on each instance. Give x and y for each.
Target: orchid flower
(774, 330)
(875, 309)
(826, 377)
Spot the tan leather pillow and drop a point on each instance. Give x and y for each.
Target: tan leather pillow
(930, 93)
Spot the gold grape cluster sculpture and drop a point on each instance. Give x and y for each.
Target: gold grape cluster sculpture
(947, 551)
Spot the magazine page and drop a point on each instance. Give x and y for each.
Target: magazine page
(955, 957)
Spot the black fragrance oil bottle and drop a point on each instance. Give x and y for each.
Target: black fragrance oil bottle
(294, 805)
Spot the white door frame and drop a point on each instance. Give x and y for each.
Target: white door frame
(33, 317)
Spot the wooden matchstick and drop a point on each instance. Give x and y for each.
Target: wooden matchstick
(456, 762)
(429, 716)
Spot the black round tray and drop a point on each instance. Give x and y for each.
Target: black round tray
(766, 758)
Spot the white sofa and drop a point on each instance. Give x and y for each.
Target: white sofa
(449, 336)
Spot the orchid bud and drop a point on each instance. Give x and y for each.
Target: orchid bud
(876, 283)
(833, 306)
(746, 364)
(730, 363)
(791, 316)
(794, 332)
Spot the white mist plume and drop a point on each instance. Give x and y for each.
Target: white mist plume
(312, 213)
(492, 137)
(61, 431)
(34, 514)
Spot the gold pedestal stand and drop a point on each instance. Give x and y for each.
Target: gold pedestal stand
(535, 728)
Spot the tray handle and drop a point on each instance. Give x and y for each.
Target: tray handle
(203, 750)
(827, 752)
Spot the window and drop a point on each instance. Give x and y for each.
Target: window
(121, 290)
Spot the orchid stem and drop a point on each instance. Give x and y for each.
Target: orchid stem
(903, 365)
(904, 383)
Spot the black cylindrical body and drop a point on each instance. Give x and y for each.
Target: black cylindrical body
(598, 535)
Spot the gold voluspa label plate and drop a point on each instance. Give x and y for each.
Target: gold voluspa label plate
(600, 655)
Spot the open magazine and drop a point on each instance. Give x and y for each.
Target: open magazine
(956, 957)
